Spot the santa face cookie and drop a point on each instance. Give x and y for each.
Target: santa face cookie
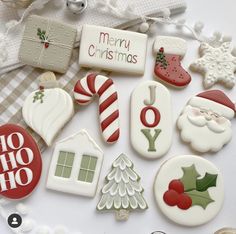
(189, 190)
(205, 121)
(47, 110)
(20, 162)
(151, 119)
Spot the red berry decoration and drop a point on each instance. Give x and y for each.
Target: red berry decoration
(176, 185)
(171, 197)
(185, 202)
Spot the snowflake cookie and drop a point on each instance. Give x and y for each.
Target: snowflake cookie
(217, 63)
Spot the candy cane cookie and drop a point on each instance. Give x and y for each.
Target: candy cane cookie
(91, 85)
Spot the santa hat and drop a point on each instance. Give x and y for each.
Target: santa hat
(216, 101)
(171, 45)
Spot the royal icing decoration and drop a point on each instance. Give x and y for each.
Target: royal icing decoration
(46, 111)
(168, 68)
(91, 85)
(217, 64)
(189, 190)
(122, 191)
(151, 119)
(20, 162)
(113, 49)
(205, 121)
(76, 165)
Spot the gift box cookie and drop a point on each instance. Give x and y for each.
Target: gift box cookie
(47, 44)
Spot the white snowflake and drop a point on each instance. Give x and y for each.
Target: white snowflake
(217, 63)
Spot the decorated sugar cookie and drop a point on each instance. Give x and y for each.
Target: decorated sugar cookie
(48, 109)
(76, 165)
(91, 85)
(20, 162)
(170, 51)
(226, 231)
(205, 121)
(122, 191)
(151, 119)
(189, 190)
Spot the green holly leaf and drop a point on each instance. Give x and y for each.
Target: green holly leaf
(189, 178)
(209, 180)
(202, 199)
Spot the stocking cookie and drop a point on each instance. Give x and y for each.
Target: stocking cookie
(151, 119)
(20, 162)
(205, 121)
(122, 191)
(168, 68)
(48, 109)
(189, 190)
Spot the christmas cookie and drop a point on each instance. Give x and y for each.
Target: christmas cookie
(217, 64)
(151, 119)
(169, 53)
(226, 231)
(189, 190)
(205, 121)
(47, 110)
(122, 191)
(76, 165)
(91, 85)
(20, 162)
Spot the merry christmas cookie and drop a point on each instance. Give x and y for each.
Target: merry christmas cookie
(169, 53)
(48, 109)
(151, 119)
(20, 162)
(205, 121)
(122, 191)
(189, 190)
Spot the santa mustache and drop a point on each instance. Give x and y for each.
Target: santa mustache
(201, 121)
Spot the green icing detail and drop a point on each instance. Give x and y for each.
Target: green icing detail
(202, 199)
(161, 58)
(209, 180)
(38, 96)
(151, 139)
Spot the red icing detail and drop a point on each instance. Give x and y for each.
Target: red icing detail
(177, 185)
(106, 122)
(185, 202)
(91, 82)
(103, 106)
(174, 73)
(104, 87)
(156, 114)
(79, 89)
(19, 156)
(46, 45)
(114, 137)
(219, 97)
(171, 197)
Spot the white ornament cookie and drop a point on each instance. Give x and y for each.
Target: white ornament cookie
(205, 121)
(46, 111)
(151, 119)
(217, 64)
(189, 190)
(76, 165)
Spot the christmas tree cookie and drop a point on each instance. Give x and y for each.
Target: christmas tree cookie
(122, 191)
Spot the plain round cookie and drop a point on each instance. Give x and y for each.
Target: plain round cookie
(196, 214)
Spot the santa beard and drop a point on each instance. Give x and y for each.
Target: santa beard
(203, 135)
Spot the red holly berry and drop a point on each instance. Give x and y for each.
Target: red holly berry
(184, 201)
(46, 45)
(171, 197)
(176, 185)
(161, 50)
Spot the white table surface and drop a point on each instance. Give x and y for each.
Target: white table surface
(78, 213)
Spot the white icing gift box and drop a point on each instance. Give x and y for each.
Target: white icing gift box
(113, 49)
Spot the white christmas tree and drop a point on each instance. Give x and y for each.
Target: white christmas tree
(123, 191)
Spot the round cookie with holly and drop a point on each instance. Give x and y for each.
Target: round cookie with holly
(189, 190)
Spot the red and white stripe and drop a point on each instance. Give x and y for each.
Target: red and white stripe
(104, 87)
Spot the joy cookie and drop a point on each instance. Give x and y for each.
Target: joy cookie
(20, 162)
(169, 53)
(76, 165)
(205, 121)
(91, 85)
(189, 190)
(122, 191)
(151, 119)
(48, 109)
(217, 64)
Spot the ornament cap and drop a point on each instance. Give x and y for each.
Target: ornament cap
(48, 80)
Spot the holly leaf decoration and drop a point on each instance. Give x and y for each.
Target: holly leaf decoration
(202, 199)
(189, 178)
(209, 180)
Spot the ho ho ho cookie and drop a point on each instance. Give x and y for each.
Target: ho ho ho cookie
(189, 190)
